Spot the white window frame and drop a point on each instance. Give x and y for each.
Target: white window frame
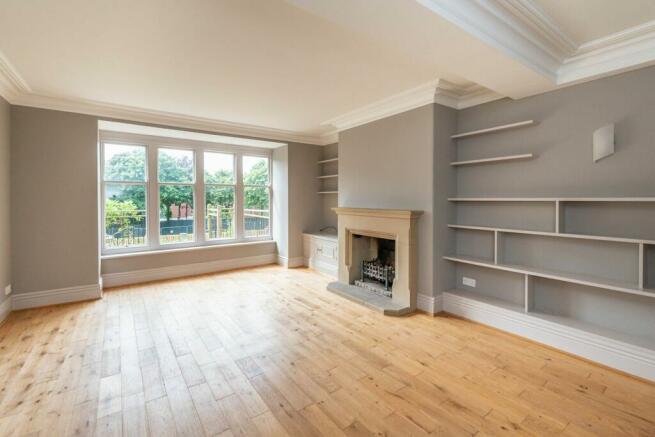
(152, 145)
(234, 185)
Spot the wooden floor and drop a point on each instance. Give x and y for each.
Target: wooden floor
(269, 352)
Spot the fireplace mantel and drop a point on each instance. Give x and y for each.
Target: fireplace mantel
(393, 224)
(388, 213)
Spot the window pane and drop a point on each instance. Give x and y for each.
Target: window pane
(175, 214)
(219, 168)
(219, 212)
(125, 215)
(125, 163)
(255, 170)
(175, 165)
(256, 212)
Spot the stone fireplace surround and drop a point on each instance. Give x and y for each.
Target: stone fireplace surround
(397, 225)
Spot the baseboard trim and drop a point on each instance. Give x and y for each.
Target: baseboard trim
(616, 354)
(160, 273)
(290, 263)
(58, 296)
(429, 304)
(322, 267)
(5, 309)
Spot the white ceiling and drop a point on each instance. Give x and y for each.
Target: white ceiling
(279, 69)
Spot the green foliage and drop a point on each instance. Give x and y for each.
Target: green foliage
(130, 166)
(256, 198)
(175, 169)
(121, 215)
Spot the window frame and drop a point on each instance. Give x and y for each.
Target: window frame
(152, 145)
(235, 159)
(270, 196)
(103, 193)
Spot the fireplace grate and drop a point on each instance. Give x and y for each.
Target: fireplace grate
(375, 270)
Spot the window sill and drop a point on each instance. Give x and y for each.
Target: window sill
(185, 249)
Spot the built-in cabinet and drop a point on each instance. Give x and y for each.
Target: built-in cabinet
(321, 252)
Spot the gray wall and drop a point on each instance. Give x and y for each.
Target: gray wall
(5, 230)
(54, 199)
(304, 204)
(281, 199)
(562, 141)
(156, 260)
(389, 164)
(445, 186)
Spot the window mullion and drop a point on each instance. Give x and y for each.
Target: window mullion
(199, 201)
(238, 202)
(153, 199)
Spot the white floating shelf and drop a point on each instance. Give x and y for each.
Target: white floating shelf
(574, 278)
(328, 176)
(491, 160)
(328, 160)
(327, 192)
(493, 129)
(552, 199)
(553, 234)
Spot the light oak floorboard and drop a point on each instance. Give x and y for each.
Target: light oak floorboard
(268, 351)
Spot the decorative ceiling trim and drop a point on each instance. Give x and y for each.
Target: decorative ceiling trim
(609, 58)
(436, 91)
(628, 36)
(11, 83)
(493, 23)
(522, 30)
(133, 114)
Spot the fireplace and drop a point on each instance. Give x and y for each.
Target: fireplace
(378, 258)
(377, 264)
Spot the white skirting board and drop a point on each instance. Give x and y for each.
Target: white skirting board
(5, 309)
(138, 276)
(429, 304)
(323, 267)
(629, 358)
(21, 301)
(290, 263)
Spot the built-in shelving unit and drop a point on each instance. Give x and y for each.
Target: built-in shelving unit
(492, 160)
(577, 273)
(493, 129)
(607, 260)
(328, 176)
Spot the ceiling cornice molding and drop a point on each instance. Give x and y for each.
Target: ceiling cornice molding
(610, 57)
(436, 91)
(632, 35)
(401, 102)
(11, 83)
(133, 114)
(496, 24)
(523, 31)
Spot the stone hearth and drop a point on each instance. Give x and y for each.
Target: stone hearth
(397, 225)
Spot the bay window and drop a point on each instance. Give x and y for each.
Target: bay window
(161, 193)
